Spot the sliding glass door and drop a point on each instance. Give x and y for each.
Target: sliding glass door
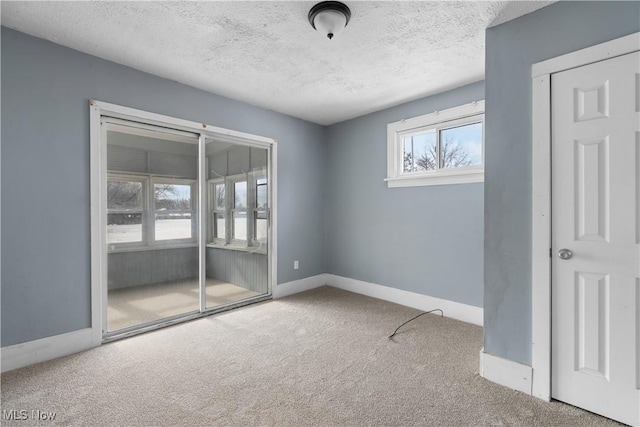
(237, 218)
(187, 224)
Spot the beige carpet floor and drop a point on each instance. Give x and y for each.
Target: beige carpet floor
(320, 358)
(142, 304)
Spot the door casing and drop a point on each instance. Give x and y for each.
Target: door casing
(541, 197)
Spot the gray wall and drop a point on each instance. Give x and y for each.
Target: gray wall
(422, 239)
(137, 268)
(245, 269)
(511, 49)
(45, 176)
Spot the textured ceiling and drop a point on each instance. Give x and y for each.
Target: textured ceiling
(266, 53)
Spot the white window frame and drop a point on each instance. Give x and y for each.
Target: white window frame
(231, 209)
(213, 211)
(261, 244)
(149, 240)
(229, 242)
(437, 121)
(155, 179)
(144, 236)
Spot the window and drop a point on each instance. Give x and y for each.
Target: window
(239, 211)
(125, 208)
(147, 211)
(445, 147)
(218, 203)
(172, 211)
(260, 222)
(239, 206)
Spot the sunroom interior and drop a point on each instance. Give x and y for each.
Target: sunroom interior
(152, 224)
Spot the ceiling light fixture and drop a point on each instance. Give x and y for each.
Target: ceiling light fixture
(329, 17)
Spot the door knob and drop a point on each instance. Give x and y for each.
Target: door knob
(565, 254)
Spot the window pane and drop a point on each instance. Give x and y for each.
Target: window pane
(171, 197)
(220, 226)
(240, 193)
(124, 227)
(260, 225)
(419, 152)
(461, 146)
(124, 195)
(173, 226)
(239, 225)
(261, 194)
(173, 211)
(239, 217)
(124, 211)
(220, 196)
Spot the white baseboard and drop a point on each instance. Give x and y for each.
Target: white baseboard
(452, 309)
(293, 287)
(506, 372)
(31, 352)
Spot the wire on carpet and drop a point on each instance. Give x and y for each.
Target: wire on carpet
(414, 318)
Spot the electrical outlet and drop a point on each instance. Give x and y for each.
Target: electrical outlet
(296, 264)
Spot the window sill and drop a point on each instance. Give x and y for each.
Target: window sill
(467, 177)
(122, 249)
(249, 249)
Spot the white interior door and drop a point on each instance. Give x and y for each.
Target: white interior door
(595, 237)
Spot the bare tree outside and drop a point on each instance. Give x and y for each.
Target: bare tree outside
(127, 195)
(452, 155)
(164, 191)
(124, 195)
(240, 192)
(125, 198)
(167, 196)
(220, 195)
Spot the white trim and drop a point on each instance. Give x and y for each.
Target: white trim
(451, 309)
(125, 249)
(296, 286)
(440, 178)
(203, 185)
(541, 197)
(505, 372)
(135, 115)
(600, 52)
(437, 117)
(41, 350)
(98, 239)
(541, 237)
(272, 240)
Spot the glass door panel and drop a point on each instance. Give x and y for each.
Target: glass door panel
(152, 225)
(237, 222)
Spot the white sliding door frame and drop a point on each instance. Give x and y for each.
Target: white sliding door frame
(541, 197)
(98, 160)
(202, 224)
